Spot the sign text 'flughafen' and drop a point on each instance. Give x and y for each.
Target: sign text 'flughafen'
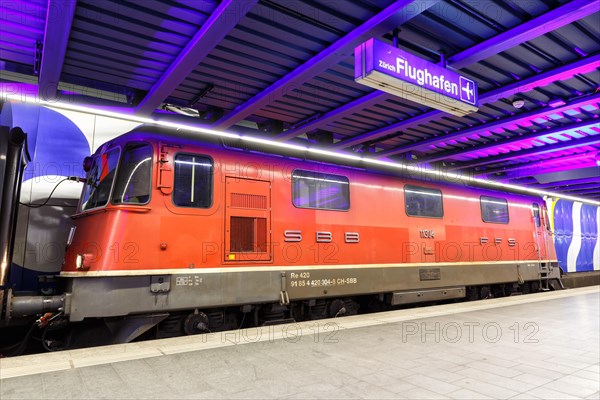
(392, 70)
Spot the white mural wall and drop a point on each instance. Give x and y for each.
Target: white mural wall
(58, 140)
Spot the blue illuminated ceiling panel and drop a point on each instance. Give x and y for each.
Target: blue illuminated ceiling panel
(285, 70)
(129, 44)
(22, 24)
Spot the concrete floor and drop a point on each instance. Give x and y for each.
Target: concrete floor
(542, 346)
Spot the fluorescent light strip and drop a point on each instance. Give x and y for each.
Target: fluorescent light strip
(299, 148)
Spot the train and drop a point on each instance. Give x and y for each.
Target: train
(178, 233)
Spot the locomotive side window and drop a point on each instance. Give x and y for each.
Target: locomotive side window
(536, 214)
(423, 202)
(193, 181)
(318, 190)
(133, 182)
(99, 180)
(494, 209)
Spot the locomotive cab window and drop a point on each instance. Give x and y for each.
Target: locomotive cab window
(494, 210)
(193, 184)
(321, 191)
(134, 175)
(423, 202)
(535, 208)
(96, 191)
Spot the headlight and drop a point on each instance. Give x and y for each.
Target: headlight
(83, 261)
(79, 261)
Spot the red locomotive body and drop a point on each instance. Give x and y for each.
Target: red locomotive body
(169, 223)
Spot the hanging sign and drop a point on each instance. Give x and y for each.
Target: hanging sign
(395, 71)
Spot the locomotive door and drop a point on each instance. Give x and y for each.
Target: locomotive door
(539, 232)
(247, 220)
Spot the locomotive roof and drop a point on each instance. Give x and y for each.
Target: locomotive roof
(161, 132)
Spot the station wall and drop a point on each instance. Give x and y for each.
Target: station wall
(57, 140)
(576, 227)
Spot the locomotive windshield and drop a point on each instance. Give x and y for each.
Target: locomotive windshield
(99, 180)
(133, 177)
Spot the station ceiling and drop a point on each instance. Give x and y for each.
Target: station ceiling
(284, 69)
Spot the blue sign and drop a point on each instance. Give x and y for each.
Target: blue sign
(387, 68)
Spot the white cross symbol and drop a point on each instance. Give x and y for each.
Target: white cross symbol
(468, 90)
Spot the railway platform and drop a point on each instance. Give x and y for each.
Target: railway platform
(538, 346)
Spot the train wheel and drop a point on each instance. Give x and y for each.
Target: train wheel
(336, 308)
(195, 323)
(485, 292)
(351, 306)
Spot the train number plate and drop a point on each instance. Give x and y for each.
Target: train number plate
(430, 274)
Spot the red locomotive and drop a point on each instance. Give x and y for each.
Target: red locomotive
(177, 233)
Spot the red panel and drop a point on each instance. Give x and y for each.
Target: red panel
(247, 216)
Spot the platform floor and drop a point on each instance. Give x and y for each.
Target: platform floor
(542, 346)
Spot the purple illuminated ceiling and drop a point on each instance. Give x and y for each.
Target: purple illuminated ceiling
(285, 70)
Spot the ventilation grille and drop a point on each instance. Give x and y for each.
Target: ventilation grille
(249, 201)
(248, 234)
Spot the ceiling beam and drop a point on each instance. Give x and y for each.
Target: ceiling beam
(387, 130)
(584, 167)
(562, 73)
(576, 166)
(567, 182)
(359, 104)
(583, 66)
(522, 118)
(590, 191)
(219, 24)
(575, 187)
(534, 167)
(536, 150)
(59, 19)
(559, 173)
(589, 123)
(536, 27)
(391, 17)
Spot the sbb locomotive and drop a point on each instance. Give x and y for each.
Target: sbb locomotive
(175, 234)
